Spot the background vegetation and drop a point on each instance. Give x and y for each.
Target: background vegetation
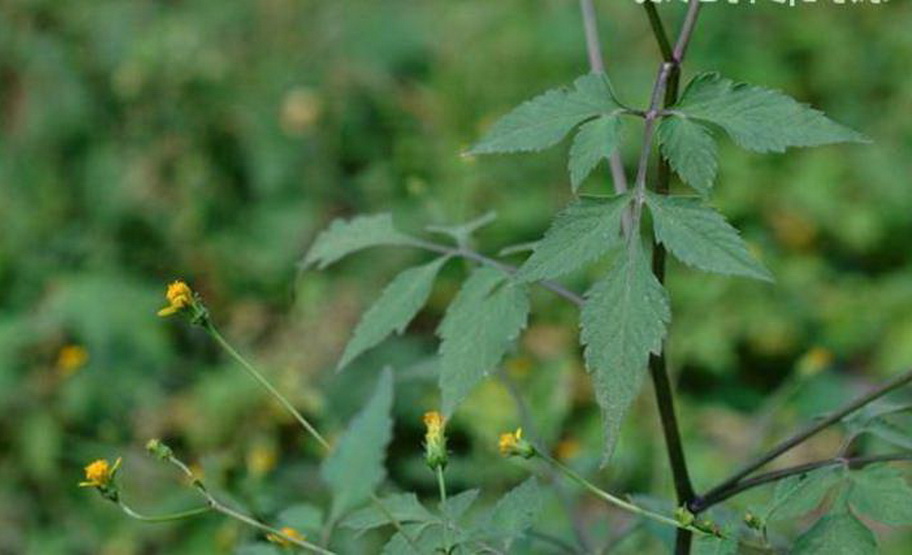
(142, 141)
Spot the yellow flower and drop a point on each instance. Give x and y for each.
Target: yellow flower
(71, 358)
(179, 296)
(286, 531)
(514, 444)
(99, 473)
(509, 441)
(435, 450)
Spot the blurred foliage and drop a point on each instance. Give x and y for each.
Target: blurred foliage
(145, 140)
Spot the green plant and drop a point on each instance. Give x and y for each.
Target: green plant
(624, 320)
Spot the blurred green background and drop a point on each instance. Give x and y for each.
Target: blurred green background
(141, 141)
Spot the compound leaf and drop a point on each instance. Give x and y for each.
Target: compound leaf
(514, 513)
(623, 320)
(800, 494)
(838, 533)
(691, 150)
(595, 141)
(355, 467)
(344, 237)
(585, 230)
(392, 312)
(881, 493)
(698, 235)
(545, 120)
(760, 119)
(478, 327)
(404, 507)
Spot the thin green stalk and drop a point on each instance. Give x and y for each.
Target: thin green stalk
(256, 375)
(162, 518)
(616, 501)
(217, 506)
(308, 427)
(441, 484)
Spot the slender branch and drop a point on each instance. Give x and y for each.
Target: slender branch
(256, 375)
(806, 434)
(441, 484)
(658, 30)
(597, 65)
(611, 499)
(666, 88)
(469, 254)
(162, 518)
(717, 497)
(253, 372)
(217, 506)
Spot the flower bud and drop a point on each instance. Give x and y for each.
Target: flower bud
(512, 444)
(159, 450)
(435, 449)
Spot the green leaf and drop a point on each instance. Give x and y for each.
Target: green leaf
(396, 307)
(800, 494)
(690, 149)
(837, 534)
(426, 536)
(582, 232)
(596, 140)
(404, 507)
(457, 505)
(881, 493)
(344, 237)
(545, 120)
(514, 513)
(698, 235)
(305, 518)
(623, 320)
(712, 545)
(760, 119)
(355, 467)
(480, 324)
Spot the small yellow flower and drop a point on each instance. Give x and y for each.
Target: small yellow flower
(290, 533)
(71, 358)
(100, 473)
(179, 296)
(509, 441)
(435, 450)
(511, 444)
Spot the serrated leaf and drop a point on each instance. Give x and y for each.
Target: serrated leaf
(513, 514)
(712, 545)
(480, 324)
(594, 142)
(545, 120)
(392, 312)
(582, 232)
(623, 320)
(800, 494)
(691, 150)
(699, 236)
(355, 467)
(458, 504)
(404, 507)
(837, 534)
(426, 538)
(760, 119)
(344, 237)
(881, 493)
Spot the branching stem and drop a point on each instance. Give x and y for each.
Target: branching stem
(703, 502)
